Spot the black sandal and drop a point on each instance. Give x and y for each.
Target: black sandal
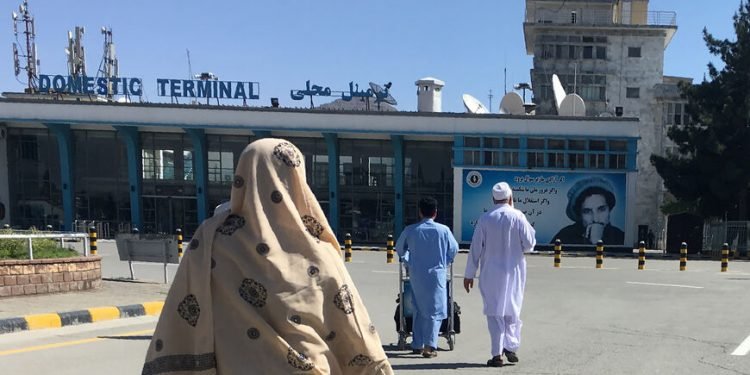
(496, 361)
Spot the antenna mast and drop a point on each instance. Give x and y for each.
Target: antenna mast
(490, 96)
(32, 63)
(190, 66)
(76, 56)
(111, 68)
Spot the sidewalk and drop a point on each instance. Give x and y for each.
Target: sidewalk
(115, 299)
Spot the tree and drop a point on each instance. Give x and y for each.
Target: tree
(710, 174)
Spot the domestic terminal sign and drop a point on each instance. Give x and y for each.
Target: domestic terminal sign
(177, 88)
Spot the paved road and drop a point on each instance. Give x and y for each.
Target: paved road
(577, 320)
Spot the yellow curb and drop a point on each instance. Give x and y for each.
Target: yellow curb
(153, 308)
(104, 313)
(41, 321)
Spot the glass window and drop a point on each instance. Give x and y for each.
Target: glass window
(510, 158)
(597, 145)
(220, 167)
(556, 160)
(510, 143)
(617, 161)
(573, 52)
(601, 53)
(633, 92)
(471, 142)
(471, 157)
(491, 158)
(556, 144)
(597, 161)
(618, 145)
(576, 160)
(634, 51)
(535, 143)
(577, 144)
(491, 142)
(535, 159)
(588, 52)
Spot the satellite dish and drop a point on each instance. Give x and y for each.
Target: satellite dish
(382, 95)
(558, 90)
(473, 105)
(512, 104)
(572, 105)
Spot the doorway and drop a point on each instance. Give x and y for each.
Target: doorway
(164, 214)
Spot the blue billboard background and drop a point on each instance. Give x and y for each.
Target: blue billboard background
(542, 196)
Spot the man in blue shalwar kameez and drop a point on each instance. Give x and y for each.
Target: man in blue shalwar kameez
(428, 248)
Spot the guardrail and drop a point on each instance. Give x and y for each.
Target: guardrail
(29, 237)
(596, 17)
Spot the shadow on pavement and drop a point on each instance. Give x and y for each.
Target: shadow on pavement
(429, 365)
(141, 337)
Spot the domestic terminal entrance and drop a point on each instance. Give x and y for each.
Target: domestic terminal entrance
(164, 214)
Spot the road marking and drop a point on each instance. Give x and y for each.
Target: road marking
(672, 285)
(744, 348)
(70, 343)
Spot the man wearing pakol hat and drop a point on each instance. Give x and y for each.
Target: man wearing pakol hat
(501, 237)
(590, 203)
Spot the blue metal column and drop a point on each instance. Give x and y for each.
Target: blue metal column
(200, 158)
(65, 149)
(398, 182)
(332, 145)
(458, 151)
(135, 159)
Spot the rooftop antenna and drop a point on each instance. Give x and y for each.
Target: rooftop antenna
(76, 56)
(190, 66)
(29, 53)
(111, 68)
(490, 96)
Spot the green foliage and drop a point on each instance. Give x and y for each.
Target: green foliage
(710, 175)
(44, 248)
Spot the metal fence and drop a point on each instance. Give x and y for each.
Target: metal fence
(586, 16)
(104, 229)
(62, 237)
(734, 233)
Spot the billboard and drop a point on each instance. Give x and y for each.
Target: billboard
(578, 208)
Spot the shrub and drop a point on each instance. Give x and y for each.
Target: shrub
(44, 248)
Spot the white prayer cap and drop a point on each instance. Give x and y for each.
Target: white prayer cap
(501, 191)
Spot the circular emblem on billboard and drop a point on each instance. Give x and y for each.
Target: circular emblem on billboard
(474, 179)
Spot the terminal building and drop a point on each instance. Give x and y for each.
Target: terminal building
(158, 167)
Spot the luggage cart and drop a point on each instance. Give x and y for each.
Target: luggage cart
(404, 309)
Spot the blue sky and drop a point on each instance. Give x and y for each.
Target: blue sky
(283, 43)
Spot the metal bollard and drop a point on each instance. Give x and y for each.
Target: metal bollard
(134, 231)
(6, 226)
(389, 249)
(558, 252)
(92, 239)
(49, 228)
(724, 257)
(683, 256)
(641, 255)
(599, 254)
(348, 248)
(178, 232)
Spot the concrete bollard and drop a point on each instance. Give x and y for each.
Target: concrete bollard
(641, 255)
(724, 257)
(178, 233)
(92, 239)
(683, 256)
(558, 252)
(599, 254)
(389, 249)
(348, 248)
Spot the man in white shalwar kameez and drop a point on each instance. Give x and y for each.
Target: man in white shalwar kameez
(501, 237)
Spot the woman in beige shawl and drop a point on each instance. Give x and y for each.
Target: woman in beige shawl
(262, 288)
